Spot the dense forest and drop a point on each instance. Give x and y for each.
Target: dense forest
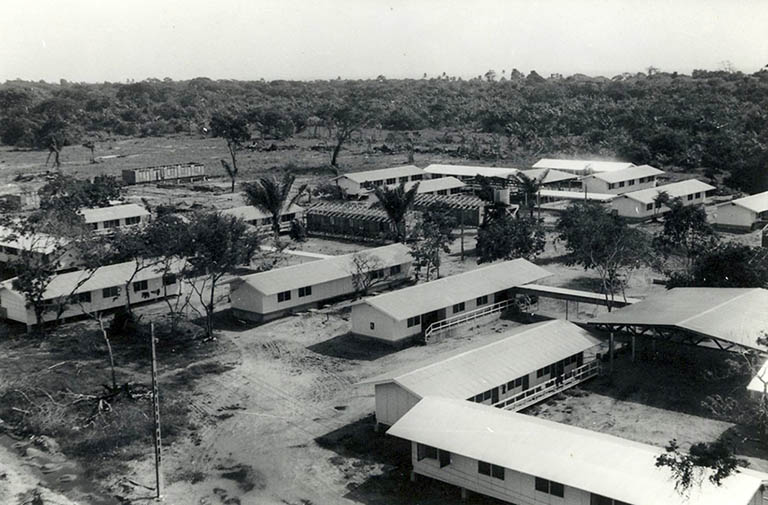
(712, 120)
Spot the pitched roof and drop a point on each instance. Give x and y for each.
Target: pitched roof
(38, 242)
(384, 173)
(471, 171)
(577, 195)
(674, 190)
(104, 277)
(326, 270)
(756, 203)
(736, 315)
(99, 214)
(626, 174)
(478, 367)
(250, 213)
(431, 185)
(552, 177)
(582, 165)
(445, 292)
(595, 462)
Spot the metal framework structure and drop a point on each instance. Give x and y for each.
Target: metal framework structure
(670, 334)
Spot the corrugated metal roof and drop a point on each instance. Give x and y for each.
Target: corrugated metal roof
(317, 272)
(383, 174)
(99, 214)
(445, 292)
(39, 242)
(553, 176)
(756, 203)
(595, 462)
(430, 185)
(104, 277)
(453, 201)
(674, 190)
(577, 195)
(738, 315)
(250, 213)
(471, 171)
(626, 174)
(582, 165)
(472, 369)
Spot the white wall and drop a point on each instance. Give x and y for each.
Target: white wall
(517, 487)
(392, 402)
(99, 225)
(734, 216)
(383, 325)
(348, 185)
(595, 185)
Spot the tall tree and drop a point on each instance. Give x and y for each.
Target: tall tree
(727, 265)
(274, 197)
(233, 129)
(396, 202)
(685, 234)
(67, 193)
(220, 244)
(507, 237)
(602, 241)
(432, 235)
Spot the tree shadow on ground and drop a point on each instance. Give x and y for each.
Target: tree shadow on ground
(357, 441)
(559, 259)
(349, 346)
(746, 441)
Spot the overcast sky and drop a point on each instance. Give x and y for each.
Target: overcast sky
(115, 40)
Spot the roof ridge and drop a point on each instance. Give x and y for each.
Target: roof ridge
(719, 305)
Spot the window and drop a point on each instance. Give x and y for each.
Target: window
(690, 197)
(393, 180)
(649, 206)
(84, 297)
(395, 270)
(169, 279)
(376, 274)
(305, 291)
(444, 457)
(697, 195)
(442, 192)
(621, 184)
(140, 286)
(93, 226)
(658, 205)
(631, 182)
(550, 487)
(487, 395)
(132, 220)
(596, 499)
(425, 452)
(417, 177)
(378, 183)
(490, 470)
(414, 321)
(611, 185)
(372, 325)
(284, 296)
(112, 223)
(458, 307)
(479, 398)
(402, 179)
(482, 300)
(112, 292)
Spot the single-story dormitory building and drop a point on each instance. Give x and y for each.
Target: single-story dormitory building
(527, 460)
(582, 167)
(263, 220)
(622, 181)
(466, 173)
(107, 219)
(641, 205)
(104, 290)
(405, 315)
(361, 183)
(513, 370)
(441, 186)
(268, 295)
(742, 214)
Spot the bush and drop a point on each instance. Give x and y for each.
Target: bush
(298, 231)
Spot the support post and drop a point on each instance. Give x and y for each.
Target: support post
(610, 353)
(566, 310)
(464, 494)
(413, 476)
(633, 348)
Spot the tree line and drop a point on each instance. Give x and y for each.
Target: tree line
(715, 120)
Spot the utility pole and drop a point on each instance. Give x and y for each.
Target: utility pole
(156, 412)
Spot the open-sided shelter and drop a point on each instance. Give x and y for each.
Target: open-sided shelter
(527, 460)
(582, 167)
(274, 293)
(402, 316)
(467, 173)
(513, 370)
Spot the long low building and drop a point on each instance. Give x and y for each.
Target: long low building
(526, 460)
(742, 214)
(641, 205)
(441, 186)
(275, 293)
(622, 181)
(467, 173)
(107, 219)
(101, 290)
(403, 316)
(263, 220)
(582, 167)
(361, 183)
(559, 194)
(515, 369)
(13, 244)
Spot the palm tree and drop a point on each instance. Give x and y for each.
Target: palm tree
(273, 196)
(528, 188)
(396, 202)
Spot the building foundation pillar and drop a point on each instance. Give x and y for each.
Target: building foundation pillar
(464, 494)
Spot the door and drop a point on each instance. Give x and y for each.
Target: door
(431, 317)
(500, 296)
